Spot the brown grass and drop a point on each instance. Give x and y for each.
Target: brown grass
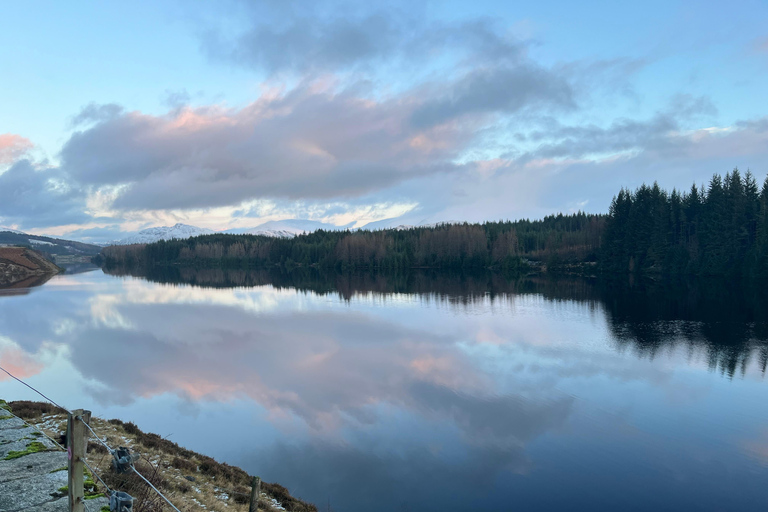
(32, 410)
(17, 256)
(187, 478)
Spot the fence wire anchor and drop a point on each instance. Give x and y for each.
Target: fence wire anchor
(120, 501)
(123, 459)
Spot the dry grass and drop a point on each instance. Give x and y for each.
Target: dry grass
(187, 478)
(18, 256)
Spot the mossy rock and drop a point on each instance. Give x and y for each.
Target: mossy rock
(33, 447)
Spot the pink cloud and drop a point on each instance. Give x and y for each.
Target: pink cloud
(12, 147)
(19, 363)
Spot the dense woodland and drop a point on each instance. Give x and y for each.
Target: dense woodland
(717, 230)
(502, 245)
(720, 229)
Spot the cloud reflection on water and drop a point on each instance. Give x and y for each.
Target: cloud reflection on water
(369, 391)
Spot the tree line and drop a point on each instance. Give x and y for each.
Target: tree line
(720, 229)
(504, 245)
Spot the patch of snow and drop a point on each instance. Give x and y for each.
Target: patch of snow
(40, 242)
(272, 501)
(287, 228)
(179, 231)
(3, 228)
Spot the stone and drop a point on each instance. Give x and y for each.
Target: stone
(31, 482)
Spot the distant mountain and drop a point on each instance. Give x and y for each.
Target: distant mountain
(277, 228)
(48, 245)
(287, 228)
(393, 224)
(147, 236)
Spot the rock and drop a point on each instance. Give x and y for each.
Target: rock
(31, 482)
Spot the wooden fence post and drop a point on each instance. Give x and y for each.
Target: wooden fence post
(76, 445)
(255, 494)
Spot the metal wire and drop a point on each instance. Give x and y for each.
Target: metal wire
(33, 389)
(112, 451)
(155, 488)
(36, 428)
(94, 473)
(95, 435)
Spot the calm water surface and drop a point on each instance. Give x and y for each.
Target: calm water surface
(446, 394)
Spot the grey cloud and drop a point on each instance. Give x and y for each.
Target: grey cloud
(560, 171)
(343, 382)
(757, 125)
(304, 144)
(687, 107)
(93, 113)
(656, 133)
(505, 90)
(305, 39)
(96, 235)
(501, 421)
(592, 77)
(176, 99)
(38, 197)
(355, 476)
(306, 44)
(307, 143)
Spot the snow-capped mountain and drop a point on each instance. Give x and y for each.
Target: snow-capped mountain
(149, 235)
(3, 228)
(395, 223)
(285, 228)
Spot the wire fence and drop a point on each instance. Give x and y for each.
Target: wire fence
(112, 451)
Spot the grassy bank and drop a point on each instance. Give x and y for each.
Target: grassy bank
(191, 481)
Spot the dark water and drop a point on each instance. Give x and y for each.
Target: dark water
(421, 392)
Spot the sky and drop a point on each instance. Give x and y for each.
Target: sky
(116, 117)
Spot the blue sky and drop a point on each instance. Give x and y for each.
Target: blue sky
(117, 117)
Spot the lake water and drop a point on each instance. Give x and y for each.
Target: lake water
(419, 393)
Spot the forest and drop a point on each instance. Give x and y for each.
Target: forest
(501, 245)
(720, 229)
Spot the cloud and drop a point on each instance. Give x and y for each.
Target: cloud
(497, 90)
(664, 131)
(13, 147)
(309, 142)
(33, 196)
(94, 113)
(305, 39)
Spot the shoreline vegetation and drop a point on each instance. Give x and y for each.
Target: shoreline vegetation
(720, 230)
(191, 480)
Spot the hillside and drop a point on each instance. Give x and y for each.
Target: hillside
(45, 244)
(191, 481)
(19, 264)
